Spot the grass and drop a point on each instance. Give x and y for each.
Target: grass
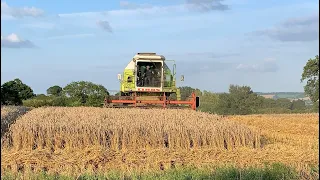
(271, 172)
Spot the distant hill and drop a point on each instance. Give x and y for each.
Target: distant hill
(288, 95)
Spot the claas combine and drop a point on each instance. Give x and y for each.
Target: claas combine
(148, 82)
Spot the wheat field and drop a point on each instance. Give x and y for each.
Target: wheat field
(75, 140)
(296, 130)
(290, 138)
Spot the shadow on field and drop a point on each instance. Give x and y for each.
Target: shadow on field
(9, 115)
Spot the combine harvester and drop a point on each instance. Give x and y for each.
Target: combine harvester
(147, 82)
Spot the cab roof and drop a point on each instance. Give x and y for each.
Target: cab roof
(148, 56)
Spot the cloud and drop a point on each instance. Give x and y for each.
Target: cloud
(13, 41)
(205, 66)
(134, 9)
(302, 21)
(11, 12)
(213, 55)
(123, 12)
(268, 65)
(40, 25)
(129, 5)
(83, 14)
(296, 29)
(206, 5)
(70, 36)
(192, 63)
(104, 25)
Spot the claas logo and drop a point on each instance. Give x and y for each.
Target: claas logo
(149, 89)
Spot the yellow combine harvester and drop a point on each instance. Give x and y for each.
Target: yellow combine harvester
(147, 81)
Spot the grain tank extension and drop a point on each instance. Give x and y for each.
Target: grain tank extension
(147, 81)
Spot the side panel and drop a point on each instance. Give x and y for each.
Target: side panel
(128, 81)
(178, 95)
(167, 75)
(169, 80)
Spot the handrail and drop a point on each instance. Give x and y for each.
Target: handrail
(174, 68)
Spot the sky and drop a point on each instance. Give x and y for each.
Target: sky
(215, 43)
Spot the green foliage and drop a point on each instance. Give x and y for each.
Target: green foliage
(9, 96)
(85, 93)
(240, 100)
(60, 101)
(269, 103)
(41, 96)
(74, 94)
(186, 92)
(298, 105)
(315, 107)
(279, 171)
(13, 92)
(54, 90)
(283, 103)
(43, 100)
(311, 74)
(94, 100)
(35, 102)
(208, 102)
(271, 110)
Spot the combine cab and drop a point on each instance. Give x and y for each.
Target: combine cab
(146, 82)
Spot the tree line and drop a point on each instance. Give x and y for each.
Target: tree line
(80, 93)
(239, 100)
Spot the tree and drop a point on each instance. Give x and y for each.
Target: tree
(40, 96)
(54, 90)
(208, 101)
(311, 74)
(298, 105)
(283, 103)
(2, 96)
(9, 96)
(239, 100)
(224, 104)
(244, 101)
(15, 91)
(85, 93)
(186, 92)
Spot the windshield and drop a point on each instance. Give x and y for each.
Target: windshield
(149, 74)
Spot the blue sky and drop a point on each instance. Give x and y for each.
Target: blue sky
(263, 44)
